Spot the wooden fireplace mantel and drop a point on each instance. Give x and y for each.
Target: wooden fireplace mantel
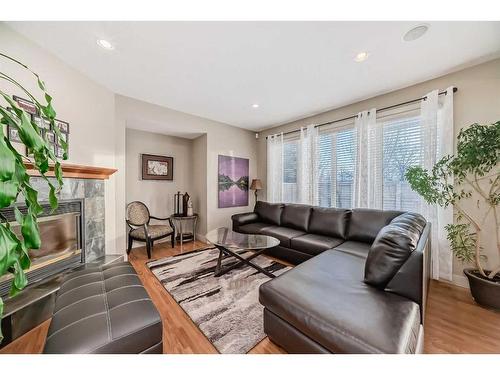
(74, 171)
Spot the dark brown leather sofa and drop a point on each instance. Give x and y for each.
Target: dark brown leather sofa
(360, 284)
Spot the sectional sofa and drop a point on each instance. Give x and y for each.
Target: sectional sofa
(360, 283)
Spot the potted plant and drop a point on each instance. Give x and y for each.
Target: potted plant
(14, 179)
(472, 174)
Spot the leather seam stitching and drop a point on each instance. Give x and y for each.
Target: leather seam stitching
(100, 270)
(73, 303)
(125, 335)
(95, 295)
(73, 323)
(105, 296)
(129, 302)
(78, 287)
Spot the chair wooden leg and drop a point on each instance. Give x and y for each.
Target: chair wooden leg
(148, 248)
(130, 240)
(172, 240)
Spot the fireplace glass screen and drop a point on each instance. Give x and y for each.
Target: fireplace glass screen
(61, 244)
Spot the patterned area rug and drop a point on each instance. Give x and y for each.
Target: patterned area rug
(226, 308)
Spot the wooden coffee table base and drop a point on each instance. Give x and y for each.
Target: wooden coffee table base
(219, 270)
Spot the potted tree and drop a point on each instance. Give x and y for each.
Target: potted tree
(14, 179)
(473, 174)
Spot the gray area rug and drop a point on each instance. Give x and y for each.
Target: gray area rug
(226, 308)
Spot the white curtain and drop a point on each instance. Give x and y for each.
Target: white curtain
(368, 184)
(437, 141)
(307, 168)
(275, 168)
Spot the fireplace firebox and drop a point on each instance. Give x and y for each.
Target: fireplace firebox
(62, 235)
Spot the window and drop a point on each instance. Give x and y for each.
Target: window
(346, 164)
(401, 150)
(290, 192)
(336, 160)
(397, 147)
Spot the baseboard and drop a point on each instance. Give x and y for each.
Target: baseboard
(460, 280)
(201, 237)
(457, 280)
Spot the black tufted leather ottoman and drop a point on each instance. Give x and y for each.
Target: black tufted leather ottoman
(104, 310)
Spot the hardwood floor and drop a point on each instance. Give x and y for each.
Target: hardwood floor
(455, 323)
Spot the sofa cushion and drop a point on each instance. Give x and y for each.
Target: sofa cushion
(296, 216)
(366, 223)
(356, 248)
(283, 234)
(326, 299)
(254, 228)
(288, 255)
(392, 247)
(330, 222)
(314, 243)
(245, 218)
(269, 212)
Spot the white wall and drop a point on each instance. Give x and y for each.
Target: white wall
(156, 194)
(200, 182)
(216, 139)
(87, 106)
(477, 100)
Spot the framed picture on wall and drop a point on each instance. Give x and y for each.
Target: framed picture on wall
(26, 104)
(41, 122)
(13, 134)
(50, 136)
(62, 125)
(233, 181)
(157, 167)
(59, 151)
(64, 137)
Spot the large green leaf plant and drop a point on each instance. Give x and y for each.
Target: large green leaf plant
(452, 181)
(14, 179)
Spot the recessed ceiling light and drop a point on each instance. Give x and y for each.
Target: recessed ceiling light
(105, 44)
(415, 33)
(255, 106)
(362, 56)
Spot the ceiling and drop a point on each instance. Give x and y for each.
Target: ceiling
(217, 70)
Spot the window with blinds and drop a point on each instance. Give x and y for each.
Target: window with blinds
(401, 149)
(337, 161)
(290, 191)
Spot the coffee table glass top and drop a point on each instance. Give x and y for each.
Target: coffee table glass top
(227, 238)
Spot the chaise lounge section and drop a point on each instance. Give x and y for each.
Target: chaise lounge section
(360, 284)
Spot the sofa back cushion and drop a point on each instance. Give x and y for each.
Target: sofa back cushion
(392, 247)
(330, 222)
(296, 216)
(366, 223)
(269, 212)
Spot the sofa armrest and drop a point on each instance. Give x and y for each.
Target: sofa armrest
(244, 218)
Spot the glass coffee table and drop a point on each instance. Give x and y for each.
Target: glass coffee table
(228, 242)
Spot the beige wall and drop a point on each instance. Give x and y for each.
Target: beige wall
(477, 100)
(87, 106)
(212, 139)
(200, 181)
(158, 195)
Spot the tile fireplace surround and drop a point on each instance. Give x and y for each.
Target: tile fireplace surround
(92, 193)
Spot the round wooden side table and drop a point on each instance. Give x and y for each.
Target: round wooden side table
(185, 226)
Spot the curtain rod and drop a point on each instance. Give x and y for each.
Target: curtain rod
(378, 110)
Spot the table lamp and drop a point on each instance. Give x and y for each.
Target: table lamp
(256, 185)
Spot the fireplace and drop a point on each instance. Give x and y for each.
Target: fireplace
(63, 235)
